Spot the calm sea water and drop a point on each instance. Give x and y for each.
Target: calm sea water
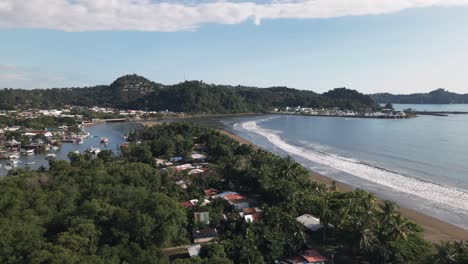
(421, 163)
(115, 132)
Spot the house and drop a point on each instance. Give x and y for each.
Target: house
(196, 201)
(198, 157)
(309, 257)
(160, 162)
(187, 204)
(12, 129)
(184, 167)
(210, 192)
(234, 198)
(205, 235)
(311, 223)
(194, 251)
(202, 217)
(176, 159)
(196, 171)
(312, 256)
(251, 214)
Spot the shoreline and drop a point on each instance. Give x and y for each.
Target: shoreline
(435, 230)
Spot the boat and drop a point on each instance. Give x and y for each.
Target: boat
(76, 152)
(51, 156)
(14, 156)
(54, 148)
(28, 152)
(31, 163)
(104, 140)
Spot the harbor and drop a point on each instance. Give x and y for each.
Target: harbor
(98, 137)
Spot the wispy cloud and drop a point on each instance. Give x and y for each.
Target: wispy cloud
(14, 76)
(149, 15)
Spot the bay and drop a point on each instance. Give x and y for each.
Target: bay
(421, 163)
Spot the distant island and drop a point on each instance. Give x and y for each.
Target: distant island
(439, 96)
(138, 93)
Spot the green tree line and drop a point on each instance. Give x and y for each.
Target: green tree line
(136, 92)
(124, 209)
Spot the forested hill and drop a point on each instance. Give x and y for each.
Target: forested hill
(439, 96)
(136, 92)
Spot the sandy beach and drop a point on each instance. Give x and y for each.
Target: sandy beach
(435, 230)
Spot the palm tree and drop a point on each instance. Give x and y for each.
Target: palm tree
(400, 227)
(365, 234)
(326, 214)
(445, 253)
(389, 211)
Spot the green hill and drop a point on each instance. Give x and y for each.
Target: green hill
(136, 92)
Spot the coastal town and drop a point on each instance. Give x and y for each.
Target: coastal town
(210, 209)
(207, 222)
(35, 131)
(385, 112)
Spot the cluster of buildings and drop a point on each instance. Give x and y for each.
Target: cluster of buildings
(129, 114)
(205, 230)
(35, 113)
(30, 142)
(337, 112)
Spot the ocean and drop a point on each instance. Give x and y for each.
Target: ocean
(420, 163)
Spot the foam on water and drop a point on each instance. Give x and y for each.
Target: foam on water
(433, 193)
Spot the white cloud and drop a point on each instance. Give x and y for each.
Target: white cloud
(15, 76)
(148, 15)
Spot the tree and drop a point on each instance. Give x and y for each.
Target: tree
(213, 250)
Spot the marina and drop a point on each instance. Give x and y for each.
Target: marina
(114, 132)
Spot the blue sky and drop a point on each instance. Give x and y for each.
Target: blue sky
(402, 51)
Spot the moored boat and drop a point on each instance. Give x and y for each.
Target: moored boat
(51, 156)
(27, 152)
(14, 156)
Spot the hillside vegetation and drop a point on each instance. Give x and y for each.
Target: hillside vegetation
(136, 92)
(439, 96)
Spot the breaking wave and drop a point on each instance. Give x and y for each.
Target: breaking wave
(447, 196)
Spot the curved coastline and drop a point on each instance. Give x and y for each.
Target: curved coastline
(436, 229)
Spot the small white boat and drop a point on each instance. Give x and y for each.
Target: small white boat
(54, 148)
(14, 156)
(51, 156)
(28, 152)
(76, 152)
(104, 140)
(31, 163)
